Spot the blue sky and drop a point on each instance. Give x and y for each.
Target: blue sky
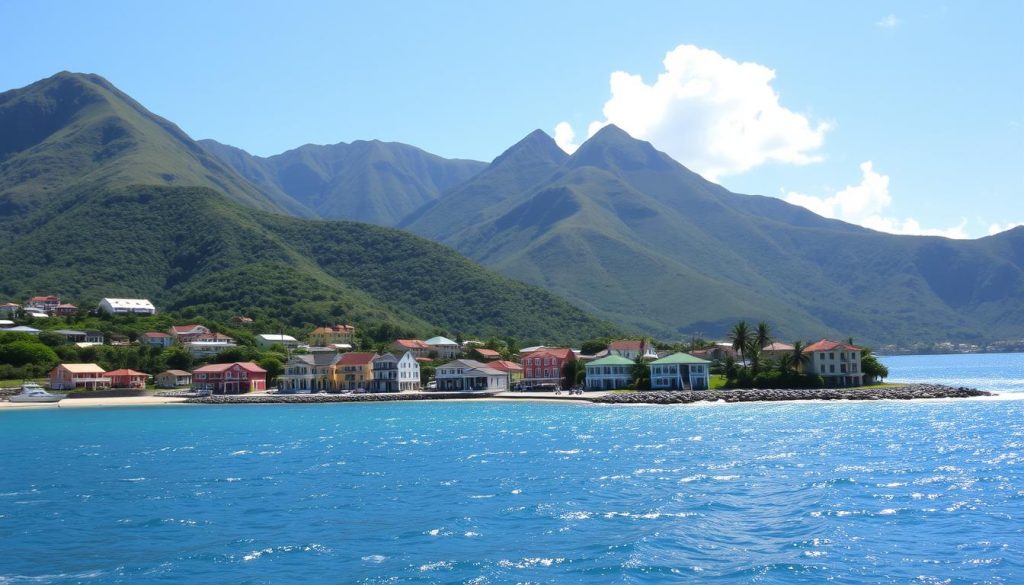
(906, 117)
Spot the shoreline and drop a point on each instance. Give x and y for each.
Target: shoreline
(904, 392)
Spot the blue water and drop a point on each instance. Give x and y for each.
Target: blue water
(999, 372)
(486, 492)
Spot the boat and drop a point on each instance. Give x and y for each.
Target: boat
(32, 392)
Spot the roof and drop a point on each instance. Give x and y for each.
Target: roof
(154, 334)
(612, 360)
(334, 329)
(357, 358)
(505, 366)
(6, 305)
(66, 306)
(45, 298)
(319, 358)
(474, 367)
(626, 345)
(21, 329)
(440, 341)
(558, 352)
(829, 345)
(179, 329)
(778, 347)
(276, 337)
(679, 358)
(82, 368)
(486, 352)
(129, 303)
(175, 373)
(69, 332)
(124, 372)
(411, 344)
(248, 366)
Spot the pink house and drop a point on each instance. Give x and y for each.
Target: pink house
(125, 378)
(71, 376)
(236, 378)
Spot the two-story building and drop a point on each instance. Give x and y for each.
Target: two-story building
(156, 339)
(680, 371)
(235, 378)
(187, 333)
(443, 348)
(308, 373)
(513, 370)
(613, 372)
(354, 371)
(631, 348)
(470, 376)
(385, 373)
(125, 378)
(546, 367)
(45, 303)
(418, 347)
(837, 362)
(332, 335)
(113, 306)
(71, 376)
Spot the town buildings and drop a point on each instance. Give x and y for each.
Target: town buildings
(266, 340)
(443, 348)
(354, 371)
(611, 372)
(308, 373)
(46, 303)
(126, 306)
(470, 376)
(418, 347)
(71, 376)
(331, 335)
(680, 371)
(631, 348)
(235, 378)
(125, 378)
(156, 339)
(546, 367)
(837, 362)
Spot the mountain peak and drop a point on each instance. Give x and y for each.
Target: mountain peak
(536, 146)
(612, 148)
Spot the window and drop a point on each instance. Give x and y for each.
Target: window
(832, 356)
(832, 369)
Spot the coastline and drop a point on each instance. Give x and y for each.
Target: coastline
(97, 402)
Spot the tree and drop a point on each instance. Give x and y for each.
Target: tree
(593, 346)
(641, 374)
(741, 337)
(178, 359)
(23, 352)
(872, 368)
(796, 359)
(51, 338)
(763, 337)
(575, 371)
(273, 366)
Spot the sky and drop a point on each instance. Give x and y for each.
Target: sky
(906, 117)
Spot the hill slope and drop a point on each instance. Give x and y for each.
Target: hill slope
(192, 250)
(372, 181)
(73, 130)
(621, 229)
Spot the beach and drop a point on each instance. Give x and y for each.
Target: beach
(96, 402)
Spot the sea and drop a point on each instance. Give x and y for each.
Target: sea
(526, 492)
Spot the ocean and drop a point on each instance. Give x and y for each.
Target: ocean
(496, 492)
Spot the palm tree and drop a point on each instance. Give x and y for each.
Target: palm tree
(741, 337)
(763, 337)
(798, 358)
(641, 374)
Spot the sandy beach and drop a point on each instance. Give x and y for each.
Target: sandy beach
(94, 402)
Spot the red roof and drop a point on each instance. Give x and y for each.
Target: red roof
(487, 352)
(46, 298)
(557, 352)
(777, 346)
(179, 329)
(250, 367)
(357, 358)
(626, 345)
(124, 372)
(411, 344)
(155, 334)
(829, 345)
(505, 366)
(335, 329)
(247, 366)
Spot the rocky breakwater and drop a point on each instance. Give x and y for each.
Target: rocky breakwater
(907, 392)
(327, 398)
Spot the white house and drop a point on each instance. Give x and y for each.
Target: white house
(470, 376)
(612, 372)
(680, 371)
(265, 340)
(208, 348)
(408, 372)
(631, 348)
(127, 307)
(837, 362)
(445, 348)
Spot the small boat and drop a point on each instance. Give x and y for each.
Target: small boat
(32, 392)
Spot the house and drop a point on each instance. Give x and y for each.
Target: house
(127, 307)
(385, 373)
(47, 304)
(470, 376)
(631, 348)
(775, 351)
(326, 336)
(308, 373)
(235, 378)
(546, 367)
(36, 313)
(71, 335)
(716, 353)
(156, 339)
(837, 362)
(71, 376)
(680, 371)
(443, 348)
(173, 379)
(9, 310)
(353, 371)
(65, 310)
(265, 340)
(408, 373)
(125, 378)
(613, 372)
(94, 337)
(485, 354)
(187, 333)
(513, 370)
(22, 329)
(418, 348)
(201, 349)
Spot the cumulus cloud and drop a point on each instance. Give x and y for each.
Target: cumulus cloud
(889, 21)
(865, 203)
(713, 114)
(997, 228)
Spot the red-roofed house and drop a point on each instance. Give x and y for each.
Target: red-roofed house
(514, 370)
(835, 361)
(47, 303)
(156, 339)
(631, 348)
(776, 350)
(486, 354)
(418, 347)
(353, 371)
(71, 376)
(125, 378)
(65, 310)
(327, 336)
(236, 378)
(187, 333)
(546, 367)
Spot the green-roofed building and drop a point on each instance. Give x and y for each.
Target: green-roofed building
(680, 371)
(609, 373)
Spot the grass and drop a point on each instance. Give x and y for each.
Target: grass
(717, 381)
(18, 382)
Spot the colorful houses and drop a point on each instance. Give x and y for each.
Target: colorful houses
(331, 335)
(546, 367)
(71, 376)
(680, 371)
(125, 378)
(418, 348)
(173, 379)
(47, 303)
(236, 378)
(470, 376)
(353, 371)
(308, 373)
(837, 362)
(612, 372)
(443, 348)
(126, 307)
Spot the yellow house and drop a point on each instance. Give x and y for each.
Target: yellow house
(327, 336)
(353, 371)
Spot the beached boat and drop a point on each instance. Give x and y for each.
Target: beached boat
(32, 392)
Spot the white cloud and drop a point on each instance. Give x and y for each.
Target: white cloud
(564, 137)
(864, 204)
(713, 114)
(997, 228)
(889, 21)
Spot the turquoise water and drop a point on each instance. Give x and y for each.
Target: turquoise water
(486, 492)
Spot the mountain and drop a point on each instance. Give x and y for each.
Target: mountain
(623, 230)
(73, 131)
(194, 251)
(372, 181)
